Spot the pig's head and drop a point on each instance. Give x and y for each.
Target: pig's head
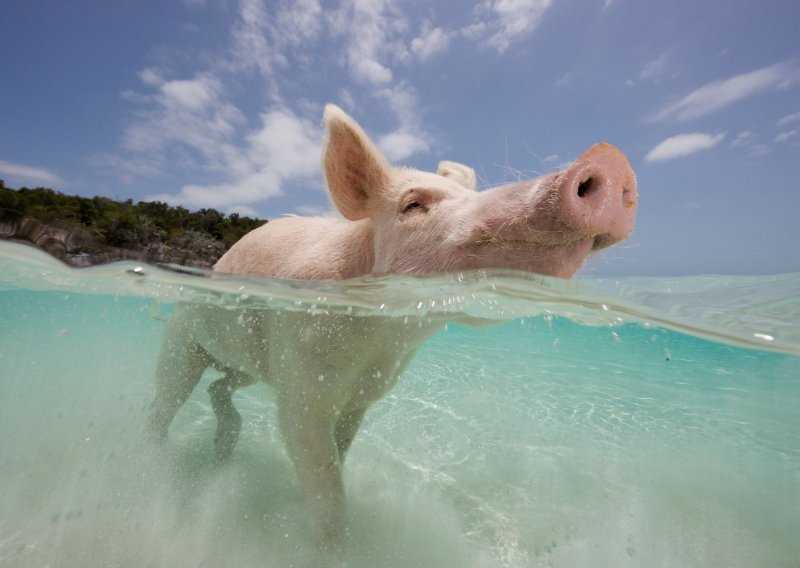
(424, 222)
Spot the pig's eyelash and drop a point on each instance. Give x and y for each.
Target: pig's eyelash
(412, 202)
(411, 205)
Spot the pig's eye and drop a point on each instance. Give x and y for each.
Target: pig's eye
(412, 205)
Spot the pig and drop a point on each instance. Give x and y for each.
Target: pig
(326, 370)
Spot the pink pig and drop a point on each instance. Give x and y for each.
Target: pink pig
(327, 370)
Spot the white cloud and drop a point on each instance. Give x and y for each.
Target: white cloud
(264, 33)
(23, 174)
(347, 101)
(286, 144)
(370, 70)
(748, 141)
(788, 119)
(683, 145)
(193, 124)
(401, 144)
(719, 94)
(373, 33)
(760, 150)
(410, 137)
(132, 96)
(185, 113)
(564, 80)
(194, 94)
(786, 136)
(474, 31)
(744, 138)
(251, 47)
(266, 37)
(150, 77)
(505, 21)
(299, 21)
(285, 148)
(402, 101)
(430, 43)
(226, 196)
(654, 70)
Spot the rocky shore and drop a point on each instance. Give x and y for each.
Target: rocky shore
(78, 247)
(83, 231)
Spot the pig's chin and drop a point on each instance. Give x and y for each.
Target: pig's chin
(558, 260)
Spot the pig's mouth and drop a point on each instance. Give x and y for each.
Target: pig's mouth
(546, 240)
(560, 259)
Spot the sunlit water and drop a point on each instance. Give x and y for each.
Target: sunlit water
(639, 422)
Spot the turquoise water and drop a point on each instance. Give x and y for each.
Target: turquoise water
(633, 422)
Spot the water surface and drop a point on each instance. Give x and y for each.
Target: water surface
(633, 422)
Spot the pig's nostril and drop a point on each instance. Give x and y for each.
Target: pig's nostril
(585, 187)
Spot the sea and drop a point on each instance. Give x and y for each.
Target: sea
(596, 422)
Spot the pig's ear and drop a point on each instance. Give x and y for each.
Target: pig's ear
(355, 169)
(459, 173)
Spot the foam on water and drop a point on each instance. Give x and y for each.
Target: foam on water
(638, 422)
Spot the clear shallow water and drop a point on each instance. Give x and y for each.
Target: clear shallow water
(639, 422)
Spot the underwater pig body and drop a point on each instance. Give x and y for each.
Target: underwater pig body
(327, 370)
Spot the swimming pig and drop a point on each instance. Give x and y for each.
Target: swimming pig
(327, 370)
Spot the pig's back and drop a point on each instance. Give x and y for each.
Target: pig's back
(306, 248)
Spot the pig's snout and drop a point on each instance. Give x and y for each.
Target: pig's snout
(597, 195)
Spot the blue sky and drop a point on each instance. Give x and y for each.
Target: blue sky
(218, 103)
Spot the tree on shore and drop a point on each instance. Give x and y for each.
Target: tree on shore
(126, 225)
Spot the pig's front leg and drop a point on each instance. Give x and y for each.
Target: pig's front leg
(312, 446)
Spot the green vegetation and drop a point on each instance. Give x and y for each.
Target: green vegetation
(109, 229)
